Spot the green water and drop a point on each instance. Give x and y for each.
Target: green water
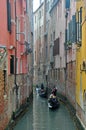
(39, 117)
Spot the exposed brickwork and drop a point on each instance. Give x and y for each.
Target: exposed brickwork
(3, 104)
(22, 89)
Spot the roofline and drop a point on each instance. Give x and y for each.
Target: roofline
(54, 4)
(38, 8)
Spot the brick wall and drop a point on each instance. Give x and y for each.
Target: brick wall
(7, 106)
(24, 90)
(3, 104)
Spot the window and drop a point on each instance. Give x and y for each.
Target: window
(40, 31)
(26, 6)
(17, 65)
(51, 38)
(25, 30)
(46, 52)
(35, 19)
(47, 6)
(17, 29)
(58, 74)
(74, 33)
(35, 55)
(8, 16)
(56, 47)
(20, 66)
(59, 15)
(11, 64)
(5, 77)
(71, 31)
(53, 35)
(79, 26)
(39, 14)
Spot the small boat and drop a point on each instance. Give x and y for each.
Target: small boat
(43, 93)
(53, 103)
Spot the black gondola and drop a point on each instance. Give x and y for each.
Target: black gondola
(43, 92)
(53, 103)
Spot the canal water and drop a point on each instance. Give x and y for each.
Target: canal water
(40, 117)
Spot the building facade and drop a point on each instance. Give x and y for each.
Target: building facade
(38, 44)
(3, 67)
(81, 62)
(70, 47)
(56, 48)
(15, 47)
(63, 50)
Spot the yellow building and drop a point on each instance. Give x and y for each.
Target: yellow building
(81, 61)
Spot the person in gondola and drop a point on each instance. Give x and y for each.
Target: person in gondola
(54, 91)
(42, 87)
(52, 97)
(37, 89)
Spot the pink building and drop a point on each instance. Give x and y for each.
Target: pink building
(14, 57)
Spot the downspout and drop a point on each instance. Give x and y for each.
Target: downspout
(66, 15)
(16, 86)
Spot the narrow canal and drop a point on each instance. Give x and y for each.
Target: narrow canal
(39, 117)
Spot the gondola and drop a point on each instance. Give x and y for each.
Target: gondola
(53, 103)
(43, 93)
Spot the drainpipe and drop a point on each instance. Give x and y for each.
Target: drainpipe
(66, 15)
(16, 86)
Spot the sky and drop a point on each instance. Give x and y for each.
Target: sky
(35, 4)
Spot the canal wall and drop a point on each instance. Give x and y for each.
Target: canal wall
(70, 107)
(19, 113)
(3, 101)
(71, 110)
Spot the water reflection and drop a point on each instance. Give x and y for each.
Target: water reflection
(39, 117)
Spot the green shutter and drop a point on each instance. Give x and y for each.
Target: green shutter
(8, 16)
(74, 27)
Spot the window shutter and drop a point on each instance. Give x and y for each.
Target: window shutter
(74, 27)
(71, 31)
(8, 16)
(12, 64)
(67, 4)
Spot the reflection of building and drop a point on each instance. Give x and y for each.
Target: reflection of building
(81, 61)
(15, 47)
